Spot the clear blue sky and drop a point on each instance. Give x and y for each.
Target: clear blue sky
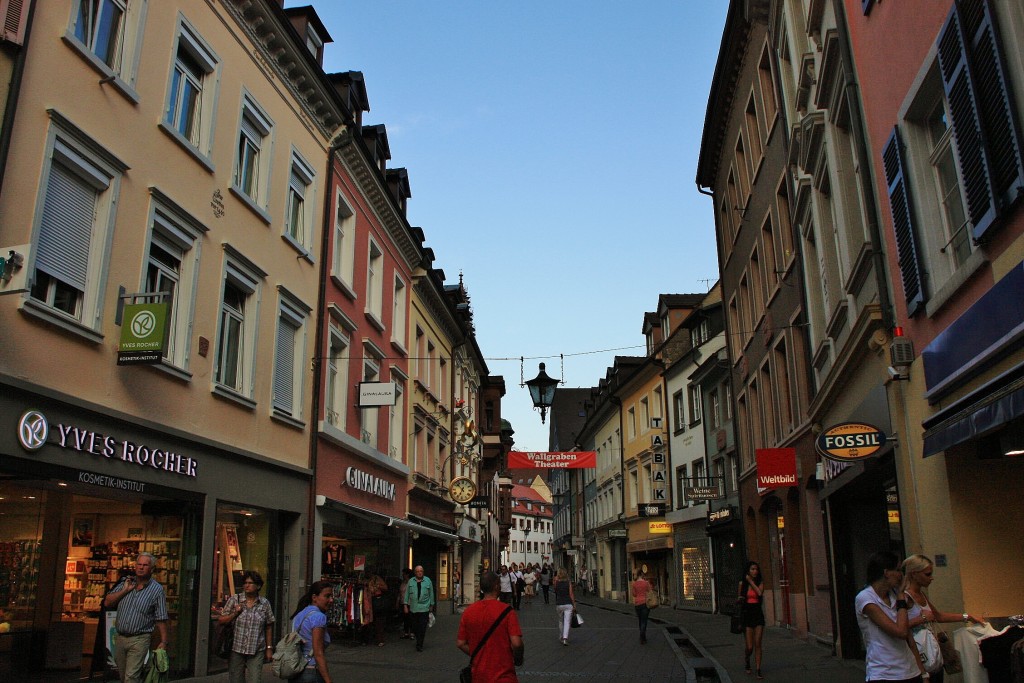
(552, 148)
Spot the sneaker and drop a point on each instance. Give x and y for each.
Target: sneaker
(565, 641)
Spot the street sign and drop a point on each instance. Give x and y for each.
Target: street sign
(651, 510)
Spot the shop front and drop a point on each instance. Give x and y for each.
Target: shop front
(692, 553)
(725, 535)
(650, 552)
(83, 493)
(432, 538)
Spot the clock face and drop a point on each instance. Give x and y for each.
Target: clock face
(462, 489)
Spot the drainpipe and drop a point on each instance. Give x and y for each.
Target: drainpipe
(343, 139)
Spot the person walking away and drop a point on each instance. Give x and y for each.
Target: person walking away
(750, 596)
(545, 582)
(400, 604)
(377, 588)
(565, 603)
(883, 621)
(420, 602)
(141, 607)
(518, 584)
(253, 618)
(917, 577)
(310, 621)
(506, 585)
(457, 587)
(503, 650)
(639, 589)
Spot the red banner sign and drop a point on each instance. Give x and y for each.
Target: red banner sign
(558, 459)
(776, 467)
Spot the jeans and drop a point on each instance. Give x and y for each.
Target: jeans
(565, 617)
(309, 675)
(246, 668)
(547, 589)
(642, 613)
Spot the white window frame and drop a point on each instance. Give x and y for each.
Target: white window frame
(121, 68)
(176, 231)
(199, 141)
(369, 417)
(398, 314)
(336, 383)
(375, 284)
(343, 264)
(83, 161)
(254, 150)
(396, 420)
(287, 387)
(299, 206)
(242, 274)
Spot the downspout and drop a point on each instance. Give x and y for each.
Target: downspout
(14, 92)
(616, 401)
(343, 139)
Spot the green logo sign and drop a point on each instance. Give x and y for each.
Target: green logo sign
(143, 331)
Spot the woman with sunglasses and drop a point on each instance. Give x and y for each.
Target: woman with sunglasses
(917, 576)
(884, 625)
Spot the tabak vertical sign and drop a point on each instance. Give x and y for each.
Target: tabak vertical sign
(776, 468)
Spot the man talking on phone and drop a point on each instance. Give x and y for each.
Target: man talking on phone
(141, 607)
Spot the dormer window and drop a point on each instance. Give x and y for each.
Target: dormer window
(313, 42)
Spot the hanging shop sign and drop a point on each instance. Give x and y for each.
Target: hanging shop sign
(377, 394)
(699, 494)
(479, 503)
(554, 460)
(368, 483)
(35, 431)
(659, 527)
(651, 509)
(143, 334)
(617, 533)
(776, 467)
(720, 516)
(850, 441)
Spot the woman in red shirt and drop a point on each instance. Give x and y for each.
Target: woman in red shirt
(640, 587)
(752, 615)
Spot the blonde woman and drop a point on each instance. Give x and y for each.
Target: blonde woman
(917, 576)
(565, 603)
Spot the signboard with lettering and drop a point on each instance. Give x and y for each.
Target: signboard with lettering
(143, 334)
(377, 394)
(368, 483)
(850, 441)
(699, 494)
(776, 467)
(651, 509)
(553, 460)
(720, 516)
(659, 527)
(617, 533)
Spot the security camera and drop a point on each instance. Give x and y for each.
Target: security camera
(897, 373)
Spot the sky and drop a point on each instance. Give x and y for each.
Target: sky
(552, 148)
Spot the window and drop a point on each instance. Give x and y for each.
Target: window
(698, 473)
(696, 405)
(375, 284)
(289, 356)
(398, 314)
(236, 346)
(343, 265)
(78, 198)
(189, 112)
(396, 444)
(680, 487)
(252, 160)
(632, 423)
(769, 108)
(714, 409)
(368, 416)
(336, 389)
(645, 415)
(171, 267)
(108, 34)
(298, 212)
(754, 132)
(678, 411)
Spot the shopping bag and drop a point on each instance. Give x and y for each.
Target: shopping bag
(577, 621)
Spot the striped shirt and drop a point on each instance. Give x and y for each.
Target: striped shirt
(250, 625)
(139, 611)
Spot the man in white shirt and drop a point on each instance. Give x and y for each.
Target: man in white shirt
(505, 595)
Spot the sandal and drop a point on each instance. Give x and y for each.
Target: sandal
(760, 676)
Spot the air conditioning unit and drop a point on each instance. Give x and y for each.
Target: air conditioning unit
(901, 352)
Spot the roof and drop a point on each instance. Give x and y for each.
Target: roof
(525, 493)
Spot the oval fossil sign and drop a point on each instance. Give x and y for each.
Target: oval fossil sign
(850, 441)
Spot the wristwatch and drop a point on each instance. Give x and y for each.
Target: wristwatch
(964, 615)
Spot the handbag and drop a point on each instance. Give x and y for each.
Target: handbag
(577, 620)
(928, 649)
(289, 661)
(652, 599)
(735, 624)
(951, 663)
(224, 638)
(466, 673)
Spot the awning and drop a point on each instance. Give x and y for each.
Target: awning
(650, 544)
(388, 520)
(983, 410)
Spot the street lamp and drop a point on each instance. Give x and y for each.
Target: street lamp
(526, 546)
(542, 391)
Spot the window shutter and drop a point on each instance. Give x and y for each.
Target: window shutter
(15, 17)
(283, 363)
(66, 230)
(992, 89)
(902, 223)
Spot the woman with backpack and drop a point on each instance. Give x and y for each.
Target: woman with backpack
(310, 622)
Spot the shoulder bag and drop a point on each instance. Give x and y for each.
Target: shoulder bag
(224, 638)
(288, 658)
(652, 599)
(466, 674)
(928, 649)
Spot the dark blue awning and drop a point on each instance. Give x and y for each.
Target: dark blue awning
(980, 412)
